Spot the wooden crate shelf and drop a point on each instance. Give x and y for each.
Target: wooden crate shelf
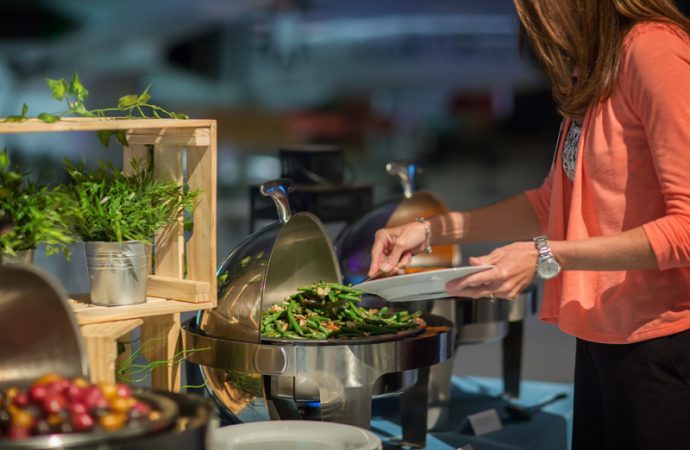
(172, 289)
(87, 314)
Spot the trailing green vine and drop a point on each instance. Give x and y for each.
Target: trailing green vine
(74, 94)
(128, 371)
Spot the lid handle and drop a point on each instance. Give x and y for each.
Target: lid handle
(278, 190)
(407, 172)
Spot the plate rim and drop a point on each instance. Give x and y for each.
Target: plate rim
(408, 279)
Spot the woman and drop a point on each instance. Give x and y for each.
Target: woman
(614, 215)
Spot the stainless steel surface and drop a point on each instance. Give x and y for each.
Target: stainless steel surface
(261, 382)
(118, 272)
(99, 438)
(278, 190)
(39, 333)
(263, 270)
(21, 257)
(407, 173)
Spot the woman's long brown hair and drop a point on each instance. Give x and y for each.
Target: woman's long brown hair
(587, 34)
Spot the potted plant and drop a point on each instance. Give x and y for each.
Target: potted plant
(117, 216)
(36, 215)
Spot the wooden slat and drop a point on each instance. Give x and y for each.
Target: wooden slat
(181, 290)
(90, 124)
(138, 152)
(170, 241)
(170, 136)
(87, 313)
(201, 248)
(101, 347)
(160, 340)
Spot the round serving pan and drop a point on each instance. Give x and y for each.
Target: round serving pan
(349, 340)
(167, 407)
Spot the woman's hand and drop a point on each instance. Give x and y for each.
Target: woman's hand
(514, 270)
(394, 247)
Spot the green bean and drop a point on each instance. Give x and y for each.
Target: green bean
(353, 298)
(383, 311)
(272, 317)
(343, 288)
(293, 322)
(291, 335)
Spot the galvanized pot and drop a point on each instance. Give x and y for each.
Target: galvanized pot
(118, 272)
(21, 257)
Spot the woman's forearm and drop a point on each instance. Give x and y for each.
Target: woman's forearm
(629, 250)
(507, 220)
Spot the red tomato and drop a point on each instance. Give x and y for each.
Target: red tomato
(123, 390)
(38, 392)
(54, 403)
(82, 422)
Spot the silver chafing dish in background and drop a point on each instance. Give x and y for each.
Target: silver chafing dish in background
(475, 320)
(253, 379)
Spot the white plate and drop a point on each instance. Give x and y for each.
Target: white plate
(294, 435)
(417, 286)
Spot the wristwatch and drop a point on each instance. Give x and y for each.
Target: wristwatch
(547, 266)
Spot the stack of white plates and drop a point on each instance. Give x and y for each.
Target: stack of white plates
(294, 435)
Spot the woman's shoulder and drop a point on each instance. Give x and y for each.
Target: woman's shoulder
(655, 33)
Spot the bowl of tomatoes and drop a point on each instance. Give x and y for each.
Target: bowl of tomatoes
(59, 412)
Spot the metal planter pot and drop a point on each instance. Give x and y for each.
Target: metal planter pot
(21, 257)
(118, 272)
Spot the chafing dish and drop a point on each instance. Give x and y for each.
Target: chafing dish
(475, 320)
(252, 378)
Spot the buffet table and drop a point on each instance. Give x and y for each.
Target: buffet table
(547, 430)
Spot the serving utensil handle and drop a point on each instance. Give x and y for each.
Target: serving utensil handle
(278, 190)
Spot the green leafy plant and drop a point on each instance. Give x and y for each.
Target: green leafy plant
(112, 206)
(36, 211)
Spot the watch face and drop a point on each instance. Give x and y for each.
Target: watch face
(548, 269)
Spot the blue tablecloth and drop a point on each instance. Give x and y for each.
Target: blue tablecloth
(546, 430)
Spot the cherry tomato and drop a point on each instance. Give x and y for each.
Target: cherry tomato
(49, 378)
(109, 390)
(21, 399)
(81, 382)
(54, 403)
(123, 390)
(77, 407)
(38, 392)
(74, 393)
(82, 422)
(113, 421)
(23, 419)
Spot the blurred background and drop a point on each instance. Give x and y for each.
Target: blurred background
(440, 82)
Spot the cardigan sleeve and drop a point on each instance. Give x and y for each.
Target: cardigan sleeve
(656, 70)
(540, 199)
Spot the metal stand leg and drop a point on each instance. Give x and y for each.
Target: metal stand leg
(353, 408)
(413, 411)
(439, 396)
(512, 359)
(279, 409)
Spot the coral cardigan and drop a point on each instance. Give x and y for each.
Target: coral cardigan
(633, 169)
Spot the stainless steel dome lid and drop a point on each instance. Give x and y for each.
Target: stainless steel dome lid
(354, 242)
(39, 332)
(268, 266)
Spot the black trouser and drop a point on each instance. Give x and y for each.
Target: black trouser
(633, 396)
